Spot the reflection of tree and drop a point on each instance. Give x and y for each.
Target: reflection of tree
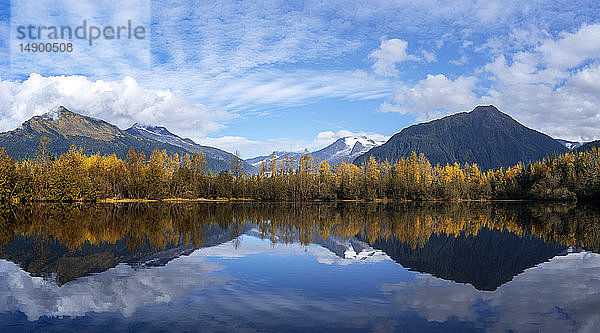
(412, 223)
(158, 226)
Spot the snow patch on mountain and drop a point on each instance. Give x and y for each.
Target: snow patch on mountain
(346, 149)
(570, 144)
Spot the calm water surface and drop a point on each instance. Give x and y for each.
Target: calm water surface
(347, 267)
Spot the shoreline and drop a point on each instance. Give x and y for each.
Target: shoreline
(240, 200)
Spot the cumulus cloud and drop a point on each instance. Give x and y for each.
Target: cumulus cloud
(434, 96)
(549, 84)
(120, 102)
(390, 53)
(570, 49)
(552, 87)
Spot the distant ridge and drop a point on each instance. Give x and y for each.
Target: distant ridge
(485, 136)
(220, 159)
(589, 145)
(344, 149)
(571, 145)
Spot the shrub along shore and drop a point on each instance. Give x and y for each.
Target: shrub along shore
(73, 176)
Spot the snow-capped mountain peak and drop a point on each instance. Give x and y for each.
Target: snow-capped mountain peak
(344, 149)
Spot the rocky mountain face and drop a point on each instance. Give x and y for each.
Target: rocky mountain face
(485, 136)
(570, 145)
(64, 128)
(345, 149)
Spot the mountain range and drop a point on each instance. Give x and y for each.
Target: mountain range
(344, 149)
(485, 136)
(64, 128)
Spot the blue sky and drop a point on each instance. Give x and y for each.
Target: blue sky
(261, 76)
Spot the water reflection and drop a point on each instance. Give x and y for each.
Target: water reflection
(376, 266)
(562, 295)
(122, 288)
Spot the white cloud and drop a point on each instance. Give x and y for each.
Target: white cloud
(571, 49)
(119, 102)
(390, 53)
(246, 147)
(433, 97)
(287, 88)
(553, 87)
(428, 56)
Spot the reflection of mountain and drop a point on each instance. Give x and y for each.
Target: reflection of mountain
(342, 250)
(50, 259)
(486, 260)
(69, 241)
(561, 295)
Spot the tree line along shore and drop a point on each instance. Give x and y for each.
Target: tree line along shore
(75, 176)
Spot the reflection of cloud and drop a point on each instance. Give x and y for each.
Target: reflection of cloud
(124, 289)
(118, 289)
(560, 295)
(243, 308)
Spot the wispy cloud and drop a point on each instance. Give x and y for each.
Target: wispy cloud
(287, 88)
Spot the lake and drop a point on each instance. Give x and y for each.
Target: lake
(313, 267)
